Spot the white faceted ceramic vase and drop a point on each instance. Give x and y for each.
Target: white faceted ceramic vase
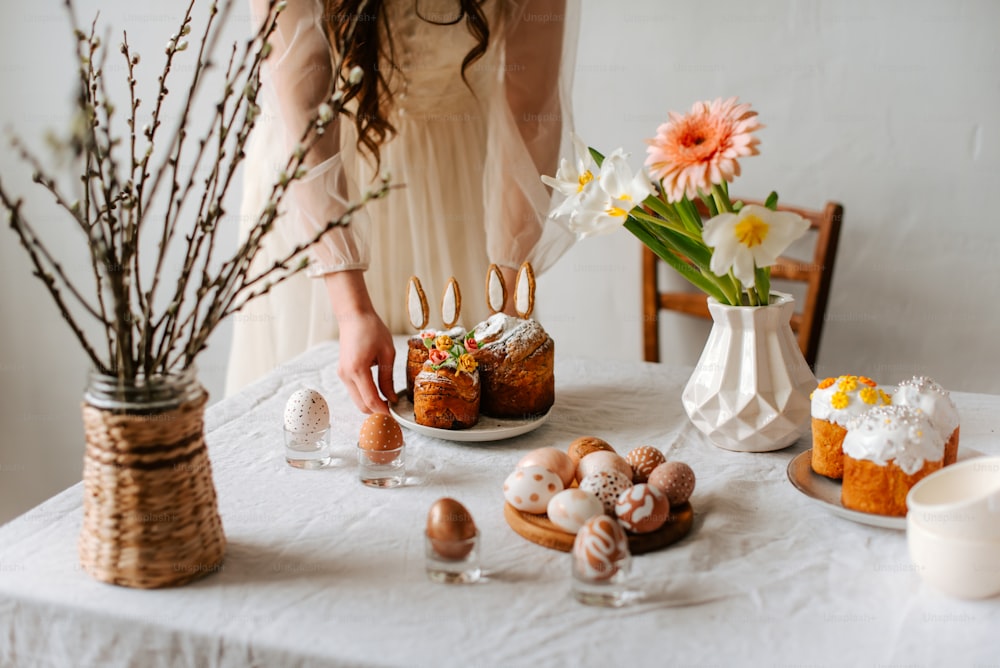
(750, 390)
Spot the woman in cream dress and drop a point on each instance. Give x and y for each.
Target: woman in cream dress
(468, 154)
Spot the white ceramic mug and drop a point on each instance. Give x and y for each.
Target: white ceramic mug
(959, 501)
(955, 566)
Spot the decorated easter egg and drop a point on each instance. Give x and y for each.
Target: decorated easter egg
(571, 508)
(602, 460)
(530, 488)
(306, 412)
(642, 508)
(606, 486)
(675, 479)
(554, 460)
(381, 437)
(599, 546)
(643, 460)
(584, 445)
(450, 529)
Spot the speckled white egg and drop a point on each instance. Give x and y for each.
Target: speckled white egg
(571, 508)
(606, 486)
(306, 412)
(529, 489)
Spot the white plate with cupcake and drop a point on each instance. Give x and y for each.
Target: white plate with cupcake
(870, 448)
(485, 430)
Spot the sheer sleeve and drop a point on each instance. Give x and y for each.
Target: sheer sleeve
(529, 129)
(297, 78)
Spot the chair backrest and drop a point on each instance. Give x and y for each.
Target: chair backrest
(807, 322)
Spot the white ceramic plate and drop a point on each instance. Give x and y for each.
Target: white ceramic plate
(487, 429)
(827, 492)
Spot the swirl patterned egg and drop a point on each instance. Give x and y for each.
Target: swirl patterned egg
(642, 508)
(599, 547)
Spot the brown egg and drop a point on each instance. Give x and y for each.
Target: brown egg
(584, 445)
(643, 460)
(379, 434)
(450, 528)
(554, 460)
(602, 460)
(675, 479)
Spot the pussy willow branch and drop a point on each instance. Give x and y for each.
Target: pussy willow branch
(31, 244)
(207, 221)
(206, 47)
(176, 146)
(115, 204)
(109, 252)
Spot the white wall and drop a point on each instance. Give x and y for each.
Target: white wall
(886, 106)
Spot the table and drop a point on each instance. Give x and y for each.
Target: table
(323, 571)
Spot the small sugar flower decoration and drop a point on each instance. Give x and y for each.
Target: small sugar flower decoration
(848, 383)
(443, 351)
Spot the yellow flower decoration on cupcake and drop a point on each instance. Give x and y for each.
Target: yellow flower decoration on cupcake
(839, 400)
(843, 397)
(467, 363)
(443, 342)
(847, 383)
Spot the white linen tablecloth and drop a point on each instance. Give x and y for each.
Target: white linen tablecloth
(321, 570)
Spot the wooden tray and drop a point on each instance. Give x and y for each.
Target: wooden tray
(539, 529)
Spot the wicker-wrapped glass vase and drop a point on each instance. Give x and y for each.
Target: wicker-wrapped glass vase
(150, 514)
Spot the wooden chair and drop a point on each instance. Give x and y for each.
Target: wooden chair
(807, 321)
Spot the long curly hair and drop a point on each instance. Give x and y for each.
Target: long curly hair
(353, 28)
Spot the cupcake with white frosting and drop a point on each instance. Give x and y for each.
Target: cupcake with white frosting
(834, 403)
(888, 450)
(925, 395)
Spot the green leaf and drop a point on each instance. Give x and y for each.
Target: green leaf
(596, 155)
(664, 252)
(772, 201)
(762, 279)
(713, 210)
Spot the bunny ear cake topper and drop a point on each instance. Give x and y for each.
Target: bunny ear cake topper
(524, 291)
(416, 304)
(496, 290)
(451, 303)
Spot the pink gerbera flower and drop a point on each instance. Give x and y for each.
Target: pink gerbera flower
(693, 151)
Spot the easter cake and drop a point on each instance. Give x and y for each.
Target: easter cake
(446, 392)
(834, 402)
(933, 400)
(887, 450)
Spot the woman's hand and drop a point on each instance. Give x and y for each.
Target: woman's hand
(365, 342)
